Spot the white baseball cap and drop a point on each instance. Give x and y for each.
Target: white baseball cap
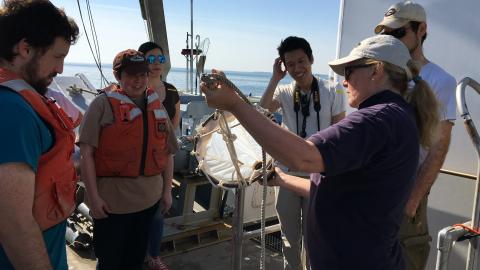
(400, 14)
(383, 48)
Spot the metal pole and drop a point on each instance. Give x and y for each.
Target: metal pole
(446, 238)
(186, 68)
(191, 43)
(197, 47)
(473, 259)
(238, 228)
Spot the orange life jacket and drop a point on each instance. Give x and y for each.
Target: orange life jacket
(55, 180)
(120, 147)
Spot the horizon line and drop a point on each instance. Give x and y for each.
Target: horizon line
(181, 68)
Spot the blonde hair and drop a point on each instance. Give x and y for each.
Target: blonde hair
(421, 97)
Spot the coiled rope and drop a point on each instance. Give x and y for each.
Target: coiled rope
(212, 80)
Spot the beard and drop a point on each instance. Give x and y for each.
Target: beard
(40, 84)
(417, 44)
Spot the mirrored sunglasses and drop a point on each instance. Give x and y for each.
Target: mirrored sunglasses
(152, 58)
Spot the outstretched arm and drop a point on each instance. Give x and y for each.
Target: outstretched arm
(281, 144)
(299, 185)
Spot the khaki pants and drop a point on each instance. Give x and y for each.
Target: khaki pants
(291, 211)
(415, 239)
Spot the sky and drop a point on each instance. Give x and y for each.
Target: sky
(243, 34)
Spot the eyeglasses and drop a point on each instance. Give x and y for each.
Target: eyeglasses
(152, 58)
(398, 33)
(349, 69)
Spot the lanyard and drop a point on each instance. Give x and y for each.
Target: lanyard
(302, 102)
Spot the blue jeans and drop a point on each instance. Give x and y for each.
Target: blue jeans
(156, 234)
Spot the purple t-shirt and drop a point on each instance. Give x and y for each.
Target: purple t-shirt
(356, 205)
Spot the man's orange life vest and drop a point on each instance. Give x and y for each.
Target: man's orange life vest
(55, 180)
(121, 144)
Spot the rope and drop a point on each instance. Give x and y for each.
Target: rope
(469, 229)
(262, 210)
(228, 137)
(211, 80)
(96, 57)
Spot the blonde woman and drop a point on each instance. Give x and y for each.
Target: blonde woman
(363, 167)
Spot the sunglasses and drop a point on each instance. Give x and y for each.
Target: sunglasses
(152, 58)
(398, 33)
(348, 70)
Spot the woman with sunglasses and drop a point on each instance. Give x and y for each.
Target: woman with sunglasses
(363, 167)
(169, 96)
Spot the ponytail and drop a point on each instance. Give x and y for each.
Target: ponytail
(426, 107)
(421, 98)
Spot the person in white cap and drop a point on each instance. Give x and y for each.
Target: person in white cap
(407, 21)
(363, 167)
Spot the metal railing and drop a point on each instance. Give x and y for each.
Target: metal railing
(449, 235)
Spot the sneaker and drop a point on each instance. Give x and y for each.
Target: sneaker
(155, 263)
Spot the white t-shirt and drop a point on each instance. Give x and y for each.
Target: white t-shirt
(443, 86)
(64, 103)
(332, 103)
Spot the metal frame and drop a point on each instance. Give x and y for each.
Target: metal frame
(449, 235)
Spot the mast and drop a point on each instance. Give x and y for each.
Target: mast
(191, 47)
(153, 14)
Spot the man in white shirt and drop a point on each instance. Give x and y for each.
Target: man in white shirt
(307, 105)
(407, 22)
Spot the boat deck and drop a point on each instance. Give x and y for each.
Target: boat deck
(450, 202)
(214, 257)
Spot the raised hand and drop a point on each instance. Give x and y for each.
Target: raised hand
(218, 93)
(278, 72)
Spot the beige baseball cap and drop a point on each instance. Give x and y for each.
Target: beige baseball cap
(383, 48)
(400, 14)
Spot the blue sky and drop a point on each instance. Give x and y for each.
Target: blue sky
(243, 34)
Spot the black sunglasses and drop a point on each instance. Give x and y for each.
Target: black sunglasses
(398, 33)
(347, 71)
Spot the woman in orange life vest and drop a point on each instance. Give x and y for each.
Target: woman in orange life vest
(123, 142)
(168, 94)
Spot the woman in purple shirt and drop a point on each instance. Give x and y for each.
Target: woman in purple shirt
(362, 167)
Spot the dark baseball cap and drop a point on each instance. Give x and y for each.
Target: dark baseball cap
(130, 61)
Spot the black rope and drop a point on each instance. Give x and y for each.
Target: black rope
(97, 62)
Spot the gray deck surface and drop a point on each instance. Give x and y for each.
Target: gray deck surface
(450, 202)
(214, 257)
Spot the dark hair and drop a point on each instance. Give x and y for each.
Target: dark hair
(148, 46)
(415, 26)
(39, 22)
(292, 43)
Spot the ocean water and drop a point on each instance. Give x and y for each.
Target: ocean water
(253, 83)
